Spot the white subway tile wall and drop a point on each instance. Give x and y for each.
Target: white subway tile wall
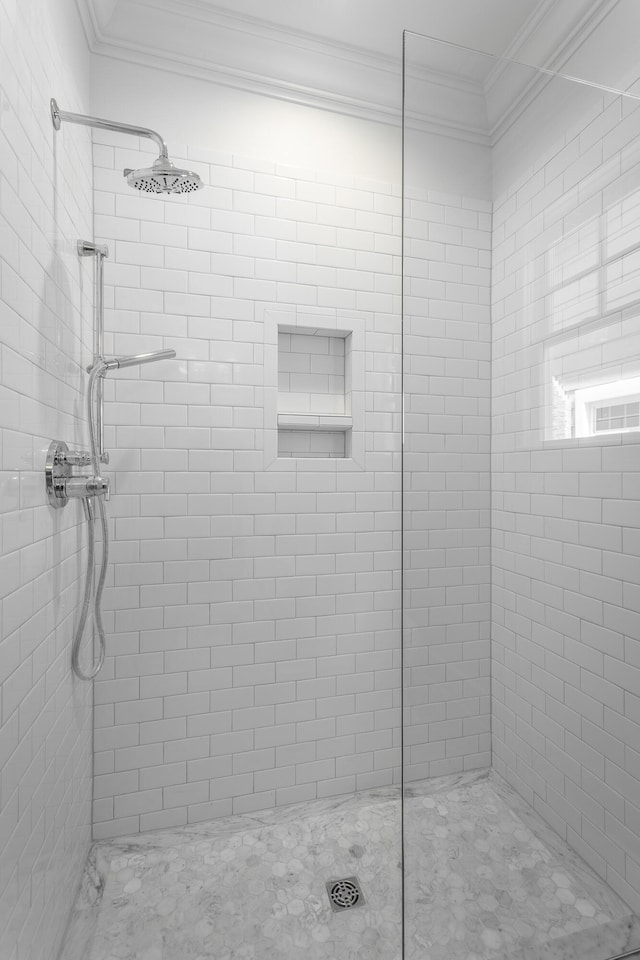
(254, 650)
(253, 605)
(446, 483)
(566, 513)
(45, 339)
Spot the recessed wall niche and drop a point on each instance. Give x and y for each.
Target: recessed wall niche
(314, 392)
(313, 425)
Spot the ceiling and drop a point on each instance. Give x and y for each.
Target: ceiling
(342, 55)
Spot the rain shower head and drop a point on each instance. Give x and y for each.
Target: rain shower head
(163, 177)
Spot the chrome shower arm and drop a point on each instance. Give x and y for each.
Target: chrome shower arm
(58, 115)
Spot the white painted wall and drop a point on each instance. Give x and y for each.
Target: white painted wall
(45, 334)
(189, 110)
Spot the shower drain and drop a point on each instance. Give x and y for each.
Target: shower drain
(344, 894)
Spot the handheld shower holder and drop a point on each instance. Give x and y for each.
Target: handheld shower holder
(86, 248)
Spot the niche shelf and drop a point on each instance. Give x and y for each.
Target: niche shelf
(314, 392)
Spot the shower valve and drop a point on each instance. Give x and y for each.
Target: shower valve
(62, 485)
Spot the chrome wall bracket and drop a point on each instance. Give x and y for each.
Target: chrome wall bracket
(55, 113)
(60, 482)
(86, 248)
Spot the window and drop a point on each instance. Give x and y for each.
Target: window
(592, 311)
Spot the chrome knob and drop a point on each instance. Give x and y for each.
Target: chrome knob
(79, 487)
(75, 458)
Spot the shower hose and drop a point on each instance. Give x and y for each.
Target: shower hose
(98, 370)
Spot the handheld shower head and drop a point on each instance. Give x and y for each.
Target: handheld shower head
(163, 177)
(115, 363)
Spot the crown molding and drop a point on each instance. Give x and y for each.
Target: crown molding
(86, 14)
(298, 94)
(527, 46)
(94, 15)
(204, 12)
(314, 72)
(250, 82)
(352, 70)
(543, 18)
(255, 56)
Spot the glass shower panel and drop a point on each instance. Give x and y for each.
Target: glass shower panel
(521, 373)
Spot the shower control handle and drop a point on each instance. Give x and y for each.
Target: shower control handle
(75, 458)
(79, 487)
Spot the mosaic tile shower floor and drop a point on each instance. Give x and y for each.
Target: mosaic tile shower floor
(485, 880)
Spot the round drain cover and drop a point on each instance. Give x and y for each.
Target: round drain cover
(344, 894)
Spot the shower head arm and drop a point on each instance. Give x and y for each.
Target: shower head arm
(58, 115)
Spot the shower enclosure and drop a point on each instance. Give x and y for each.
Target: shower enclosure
(372, 688)
(521, 362)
